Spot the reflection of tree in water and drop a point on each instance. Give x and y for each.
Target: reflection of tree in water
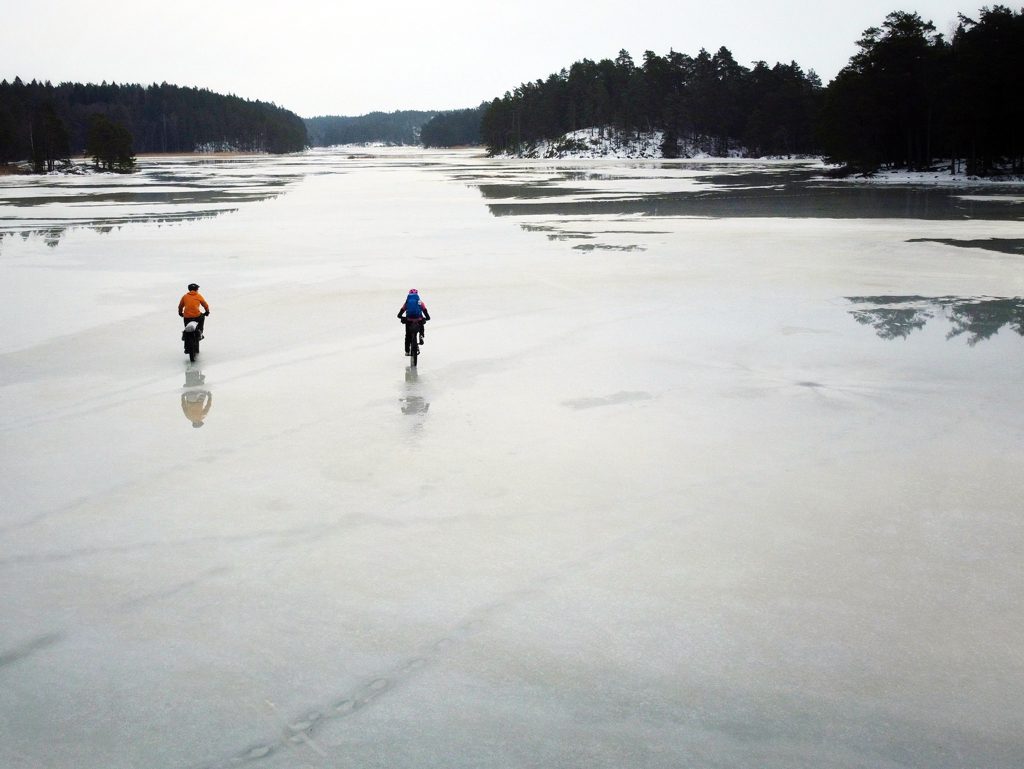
(983, 319)
(52, 235)
(895, 317)
(227, 191)
(1000, 245)
(893, 322)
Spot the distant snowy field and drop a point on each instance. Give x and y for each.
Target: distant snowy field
(735, 485)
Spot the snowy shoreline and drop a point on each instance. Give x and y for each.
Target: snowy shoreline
(607, 144)
(593, 144)
(936, 178)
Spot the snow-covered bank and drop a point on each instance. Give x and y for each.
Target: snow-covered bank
(610, 144)
(939, 176)
(588, 143)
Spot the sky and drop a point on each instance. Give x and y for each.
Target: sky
(341, 58)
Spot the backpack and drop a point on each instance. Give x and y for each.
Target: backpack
(412, 307)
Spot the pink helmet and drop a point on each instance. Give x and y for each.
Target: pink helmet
(413, 291)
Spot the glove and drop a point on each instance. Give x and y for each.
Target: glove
(181, 313)
(207, 313)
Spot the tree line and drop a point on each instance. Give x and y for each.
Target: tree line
(453, 128)
(47, 123)
(907, 97)
(444, 128)
(709, 100)
(398, 128)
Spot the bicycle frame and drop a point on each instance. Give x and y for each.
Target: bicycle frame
(413, 327)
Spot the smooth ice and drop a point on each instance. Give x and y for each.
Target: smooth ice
(705, 473)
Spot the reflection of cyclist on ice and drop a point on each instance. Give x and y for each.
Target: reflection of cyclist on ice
(196, 405)
(413, 403)
(414, 315)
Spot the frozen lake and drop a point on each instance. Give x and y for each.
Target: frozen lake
(706, 464)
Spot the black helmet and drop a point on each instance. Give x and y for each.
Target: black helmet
(193, 286)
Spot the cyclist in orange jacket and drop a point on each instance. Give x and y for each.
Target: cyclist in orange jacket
(188, 307)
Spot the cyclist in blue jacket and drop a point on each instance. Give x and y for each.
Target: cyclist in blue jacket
(414, 315)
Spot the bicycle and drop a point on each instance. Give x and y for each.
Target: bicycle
(413, 330)
(190, 336)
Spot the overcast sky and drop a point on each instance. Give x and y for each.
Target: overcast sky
(344, 58)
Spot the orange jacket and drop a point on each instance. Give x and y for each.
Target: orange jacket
(190, 303)
(197, 409)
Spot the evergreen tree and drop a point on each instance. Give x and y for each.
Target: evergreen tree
(109, 144)
(15, 122)
(987, 112)
(160, 118)
(882, 107)
(710, 99)
(454, 128)
(50, 139)
(8, 136)
(393, 128)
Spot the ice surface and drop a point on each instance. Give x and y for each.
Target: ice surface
(731, 491)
